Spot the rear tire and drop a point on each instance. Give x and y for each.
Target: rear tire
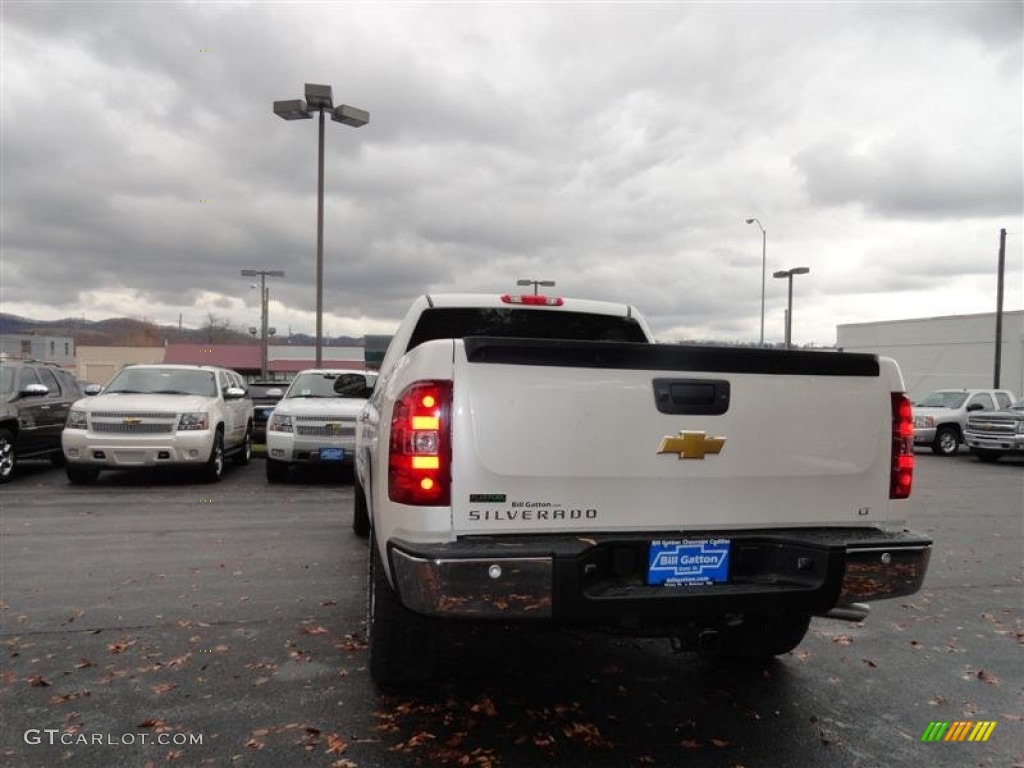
(78, 475)
(360, 514)
(402, 643)
(277, 471)
(214, 469)
(947, 441)
(8, 459)
(761, 637)
(244, 455)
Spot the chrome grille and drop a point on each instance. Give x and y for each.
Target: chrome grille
(119, 428)
(989, 426)
(325, 430)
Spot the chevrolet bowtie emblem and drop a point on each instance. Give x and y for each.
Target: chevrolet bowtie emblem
(132, 420)
(691, 445)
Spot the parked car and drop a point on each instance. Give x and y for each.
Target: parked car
(265, 395)
(941, 416)
(161, 415)
(315, 421)
(514, 465)
(35, 398)
(990, 435)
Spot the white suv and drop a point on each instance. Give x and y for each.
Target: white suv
(315, 421)
(160, 415)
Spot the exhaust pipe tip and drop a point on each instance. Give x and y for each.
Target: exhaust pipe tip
(850, 612)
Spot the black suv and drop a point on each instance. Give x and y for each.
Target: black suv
(265, 395)
(35, 399)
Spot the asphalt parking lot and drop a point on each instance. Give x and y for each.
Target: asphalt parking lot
(149, 612)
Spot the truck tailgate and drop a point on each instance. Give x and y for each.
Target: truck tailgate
(609, 436)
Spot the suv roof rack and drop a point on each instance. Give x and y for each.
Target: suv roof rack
(8, 357)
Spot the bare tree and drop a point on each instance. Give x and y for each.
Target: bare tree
(217, 329)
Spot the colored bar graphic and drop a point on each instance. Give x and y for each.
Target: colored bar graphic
(982, 731)
(958, 730)
(935, 731)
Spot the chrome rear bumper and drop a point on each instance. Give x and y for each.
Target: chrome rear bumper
(824, 572)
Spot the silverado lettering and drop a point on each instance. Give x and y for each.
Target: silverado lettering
(531, 514)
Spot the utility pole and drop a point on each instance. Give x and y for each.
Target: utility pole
(263, 274)
(999, 308)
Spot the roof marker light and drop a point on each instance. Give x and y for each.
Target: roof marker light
(533, 300)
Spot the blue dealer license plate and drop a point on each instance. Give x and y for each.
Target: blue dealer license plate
(332, 454)
(688, 561)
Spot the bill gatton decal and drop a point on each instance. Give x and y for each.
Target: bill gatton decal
(691, 445)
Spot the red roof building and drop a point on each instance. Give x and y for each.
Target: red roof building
(282, 361)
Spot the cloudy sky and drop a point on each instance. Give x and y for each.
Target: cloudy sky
(616, 148)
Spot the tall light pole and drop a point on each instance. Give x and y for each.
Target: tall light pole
(788, 274)
(264, 302)
(536, 284)
(318, 99)
(764, 267)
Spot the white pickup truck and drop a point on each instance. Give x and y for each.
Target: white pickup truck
(530, 458)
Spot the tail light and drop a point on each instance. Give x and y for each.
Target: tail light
(419, 460)
(902, 478)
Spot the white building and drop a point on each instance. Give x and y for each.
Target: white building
(53, 349)
(956, 352)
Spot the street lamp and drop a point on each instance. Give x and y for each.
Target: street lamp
(319, 98)
(264, 302)
(536, 284)
(788, 274)
(764, 262)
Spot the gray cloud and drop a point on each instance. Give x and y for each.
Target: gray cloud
(904, 178)
(617, 149)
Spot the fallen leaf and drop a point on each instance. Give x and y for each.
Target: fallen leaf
(120, 645)
(317, 630)
(842, 640)
(83, 663)
(37, 681)
(162, 688)
(335, 744)
(70, 697)
(987, 677)
(485, 706)
(150, 723)
(870, 663)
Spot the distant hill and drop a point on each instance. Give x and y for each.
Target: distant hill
(129, 332)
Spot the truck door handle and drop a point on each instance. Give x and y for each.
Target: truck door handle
(691, 397)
